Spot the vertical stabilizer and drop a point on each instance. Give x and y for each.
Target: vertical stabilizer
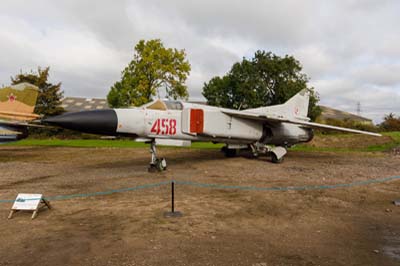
(298, 104)
(18, 102)
(296, 107)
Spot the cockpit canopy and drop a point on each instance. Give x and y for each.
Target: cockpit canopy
(163, 105)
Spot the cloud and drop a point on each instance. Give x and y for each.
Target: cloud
(379, 74)
(345, 94)
(350, 49)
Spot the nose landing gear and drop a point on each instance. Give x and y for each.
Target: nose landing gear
(156, 164)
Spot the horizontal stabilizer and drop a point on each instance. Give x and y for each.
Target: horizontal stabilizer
(18, 115)
(23, 124)
(17, 102)
(5, 132)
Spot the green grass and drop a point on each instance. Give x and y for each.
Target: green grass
(98, 143)
(395, 135)
(373, 148)
(305, 147)
(396, 142)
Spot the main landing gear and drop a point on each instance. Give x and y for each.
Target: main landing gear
(277, 153)
(156, 164)
(229, 152)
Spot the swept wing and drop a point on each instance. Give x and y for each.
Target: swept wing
(279, 119)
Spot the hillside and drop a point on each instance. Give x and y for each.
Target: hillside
(352, 142)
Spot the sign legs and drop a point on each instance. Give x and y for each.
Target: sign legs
(29, 202)
(11, 214)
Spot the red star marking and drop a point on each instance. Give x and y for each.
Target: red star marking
(12, 98)
(296, 111)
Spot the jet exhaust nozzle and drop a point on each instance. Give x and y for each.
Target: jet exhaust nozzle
(103, 122)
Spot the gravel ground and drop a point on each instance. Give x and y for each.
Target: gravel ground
(343, 226)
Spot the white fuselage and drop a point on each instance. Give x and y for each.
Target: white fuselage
(210, 124)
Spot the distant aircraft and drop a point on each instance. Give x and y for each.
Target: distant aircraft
(17, 103)
(178, 123)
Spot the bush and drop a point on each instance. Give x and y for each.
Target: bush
(390, 123)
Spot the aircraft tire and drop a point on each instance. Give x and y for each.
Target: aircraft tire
(161, 164)
(275, 159)
(230, 153)
(152, 168)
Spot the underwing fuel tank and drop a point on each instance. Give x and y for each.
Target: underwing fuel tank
(103, 122)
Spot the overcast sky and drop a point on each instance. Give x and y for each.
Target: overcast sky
(350, 49)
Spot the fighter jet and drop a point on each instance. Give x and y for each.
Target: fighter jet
(265, 130)
(17, 103)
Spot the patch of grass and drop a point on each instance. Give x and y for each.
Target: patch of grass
(385, 147)
(207, 145)
(373, 148)
(307, 148)
(99, 143)
(78, 143)
(395, 135)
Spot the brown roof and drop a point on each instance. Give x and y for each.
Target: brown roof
(330, 113)
(77, 104)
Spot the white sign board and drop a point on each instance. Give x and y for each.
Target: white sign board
(29, 202)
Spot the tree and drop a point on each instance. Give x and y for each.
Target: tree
(153, 67)
(390, 123)
(266, 79)
(50, 95)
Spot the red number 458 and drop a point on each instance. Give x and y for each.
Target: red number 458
(164, 127)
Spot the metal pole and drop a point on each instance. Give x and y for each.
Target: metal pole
(173, 196)
(173, 213)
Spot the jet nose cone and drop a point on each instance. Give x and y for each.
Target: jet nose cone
(102, 122)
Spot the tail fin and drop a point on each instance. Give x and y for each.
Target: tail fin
(298, 104)
(18, 102)
(296, 107)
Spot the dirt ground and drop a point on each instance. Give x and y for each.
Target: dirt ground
(343, 226)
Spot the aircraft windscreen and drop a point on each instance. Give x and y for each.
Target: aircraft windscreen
(173, 105)
(164, 105)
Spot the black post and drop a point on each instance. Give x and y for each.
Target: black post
(173, 213)
(172, 196)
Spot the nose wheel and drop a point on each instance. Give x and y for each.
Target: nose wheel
(156, 164)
